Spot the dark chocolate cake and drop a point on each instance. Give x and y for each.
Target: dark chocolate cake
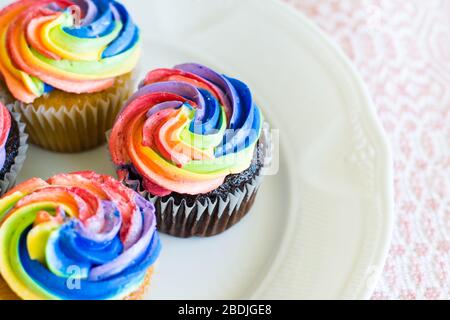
(232, 182)
(12, 148)
(184, 226)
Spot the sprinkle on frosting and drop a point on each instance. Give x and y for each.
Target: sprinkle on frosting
(5, 128)
(77, 46)
(186, 129)
(76, 236)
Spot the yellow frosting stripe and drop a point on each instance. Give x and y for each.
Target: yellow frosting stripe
(56, 40)
(11, 268)
(37, 240)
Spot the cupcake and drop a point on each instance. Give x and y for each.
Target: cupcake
(190, 140)
(13, 148)
(80, 236)
(67, 67)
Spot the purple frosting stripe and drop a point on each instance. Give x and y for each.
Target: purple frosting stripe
(132, 254)
(182, 89)
(230, 93)
(90, 10)
(110, 220)
(2, 156)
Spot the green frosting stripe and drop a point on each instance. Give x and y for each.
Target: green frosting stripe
(69, 43)
(10, 235)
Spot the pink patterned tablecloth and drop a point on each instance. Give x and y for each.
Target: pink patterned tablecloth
(402, 50)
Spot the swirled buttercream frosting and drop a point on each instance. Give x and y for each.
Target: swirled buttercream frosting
(5, 128)
(77, 46)
(186, 129)
(76, 236)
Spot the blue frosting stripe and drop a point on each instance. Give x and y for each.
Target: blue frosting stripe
(127, 38)
(90, 290)
(59, 262)
(246, 123)
(104, 23)
(210, 122)
(86, 251)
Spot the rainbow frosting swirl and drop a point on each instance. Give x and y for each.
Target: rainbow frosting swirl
(77, 236)
(77, 46)
(185, 130)
(5, 128)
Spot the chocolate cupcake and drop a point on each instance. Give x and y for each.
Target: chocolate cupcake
(190, 140)
(13, 148)
(67, 64)
(80, 236)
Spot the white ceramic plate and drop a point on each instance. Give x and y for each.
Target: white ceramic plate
(322, 225)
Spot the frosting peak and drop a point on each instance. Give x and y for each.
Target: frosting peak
(186, 129)
(77, 46)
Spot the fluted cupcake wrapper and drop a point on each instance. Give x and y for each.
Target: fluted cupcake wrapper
(10, 177)
(211, 216)
(203, 219)
(74, 127)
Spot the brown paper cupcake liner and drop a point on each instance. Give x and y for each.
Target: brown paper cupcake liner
(211, 216)
(78, 124)
(9, 180)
